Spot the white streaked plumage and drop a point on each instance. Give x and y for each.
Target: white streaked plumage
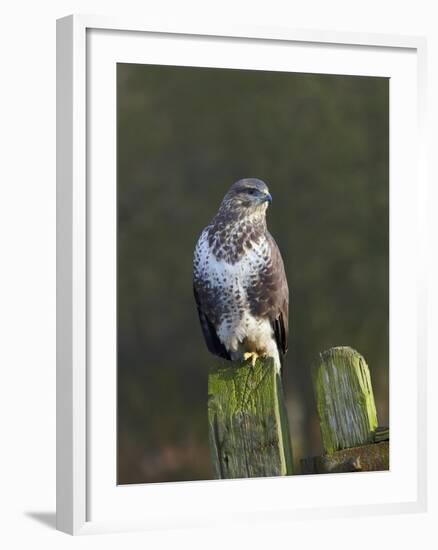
(239, 280)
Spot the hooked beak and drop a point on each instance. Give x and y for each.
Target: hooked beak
(268, 198)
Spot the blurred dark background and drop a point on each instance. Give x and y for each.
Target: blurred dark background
(184, 136)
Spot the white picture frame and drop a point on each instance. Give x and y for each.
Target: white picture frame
(86, 503)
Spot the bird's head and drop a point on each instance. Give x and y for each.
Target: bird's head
(247, 197)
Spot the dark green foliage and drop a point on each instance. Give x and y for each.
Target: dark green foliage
(184, 136)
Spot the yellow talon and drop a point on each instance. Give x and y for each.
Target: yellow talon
(251, 355)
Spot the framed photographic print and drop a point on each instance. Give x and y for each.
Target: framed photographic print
(241, 289)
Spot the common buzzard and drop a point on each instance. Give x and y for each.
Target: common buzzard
(239, 280)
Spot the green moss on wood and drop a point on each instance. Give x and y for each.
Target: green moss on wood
(344, 399)
(248, 428)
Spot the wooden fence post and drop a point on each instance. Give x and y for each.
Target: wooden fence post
(344, 399)
(347, 415)
(248, 427)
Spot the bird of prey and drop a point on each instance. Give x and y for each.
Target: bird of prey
(239, 281)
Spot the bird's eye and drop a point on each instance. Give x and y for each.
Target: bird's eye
(252, 191)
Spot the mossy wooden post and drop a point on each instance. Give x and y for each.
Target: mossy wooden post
(347, 415)
(248, 428)
(344, 399)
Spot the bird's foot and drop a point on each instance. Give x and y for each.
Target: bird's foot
(252, 355)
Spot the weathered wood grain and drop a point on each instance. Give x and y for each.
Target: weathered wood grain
(367, 458)
(344, 399)
(248, 427)
(381, 434)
